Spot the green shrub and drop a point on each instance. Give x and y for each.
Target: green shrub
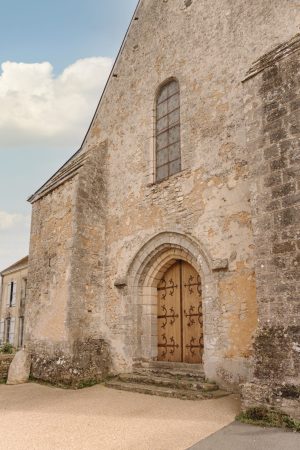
(7, 348)
(268, 418)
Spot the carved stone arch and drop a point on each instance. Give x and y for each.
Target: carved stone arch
(144, 274)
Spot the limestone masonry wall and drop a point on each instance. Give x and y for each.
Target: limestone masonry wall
(210, 198)
(113, 216)
(66, 265)
(49, 276)
(272, 106)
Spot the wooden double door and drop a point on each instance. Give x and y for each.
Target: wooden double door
(180, 319)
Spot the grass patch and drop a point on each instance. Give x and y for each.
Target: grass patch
(86, 384)
(268, 418)
(7, 349)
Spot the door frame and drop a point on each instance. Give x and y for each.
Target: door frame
(140, 294)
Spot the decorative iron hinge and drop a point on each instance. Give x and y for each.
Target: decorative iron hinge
(173, 316)
(165, 288)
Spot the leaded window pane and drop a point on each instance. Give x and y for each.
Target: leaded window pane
(162, 109)
(162, 157)
(174, 152)
(162, 124)
(163, 95)
(173, 87)
(168, 157)
(174, 134)
(174, 117)
(162, 172)
(173, 102)
(175, 166)
(162, 140)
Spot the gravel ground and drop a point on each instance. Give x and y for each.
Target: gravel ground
(39, 417)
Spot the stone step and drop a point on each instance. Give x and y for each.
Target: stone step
(192, 384)
(170, 365)
(149, 389)
(171, 373)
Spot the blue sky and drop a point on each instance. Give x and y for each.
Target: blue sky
(54, 60)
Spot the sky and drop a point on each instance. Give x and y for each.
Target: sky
(55, 58)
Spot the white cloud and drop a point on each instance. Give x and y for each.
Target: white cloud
(14, 237)
(8, 221)
(39, 109)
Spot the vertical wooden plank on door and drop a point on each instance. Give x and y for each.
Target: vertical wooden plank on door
(169, 312)
(192, 315)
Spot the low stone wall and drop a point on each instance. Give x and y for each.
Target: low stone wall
(5, 361)
(87, 362)
(283, 397)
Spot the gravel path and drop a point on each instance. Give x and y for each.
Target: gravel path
(38, 417)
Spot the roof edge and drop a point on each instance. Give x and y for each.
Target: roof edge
(112, 71)
(64, 174)
(36, 193)
(11, 268)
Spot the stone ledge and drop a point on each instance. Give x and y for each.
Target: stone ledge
(120, 283)
(219, 264)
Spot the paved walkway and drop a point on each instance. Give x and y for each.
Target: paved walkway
(246, 437)
(43, 418)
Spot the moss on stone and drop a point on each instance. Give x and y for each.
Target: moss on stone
(290, 391)
(268, 418)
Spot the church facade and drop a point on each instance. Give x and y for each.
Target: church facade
(173, 233)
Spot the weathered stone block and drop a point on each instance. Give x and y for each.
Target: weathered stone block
(88, 362)
(19, 369)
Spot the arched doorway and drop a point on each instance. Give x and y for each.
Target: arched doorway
(144, 274)
(179, 315)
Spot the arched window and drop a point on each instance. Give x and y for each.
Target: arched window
(168, 156)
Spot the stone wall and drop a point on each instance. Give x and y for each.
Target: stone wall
(46, 329)
(5, 361)
(209, 200)
(272, 105)
(89, 248)
(18, 273)
(117, 208)
(67, 253)
(84, 362)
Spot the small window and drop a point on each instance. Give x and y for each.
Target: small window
(10, 330)
(24, 287)
(168, 152)
(23, 292)
(2, 324)
(21, 331)
(7, 330)
(11, 294)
